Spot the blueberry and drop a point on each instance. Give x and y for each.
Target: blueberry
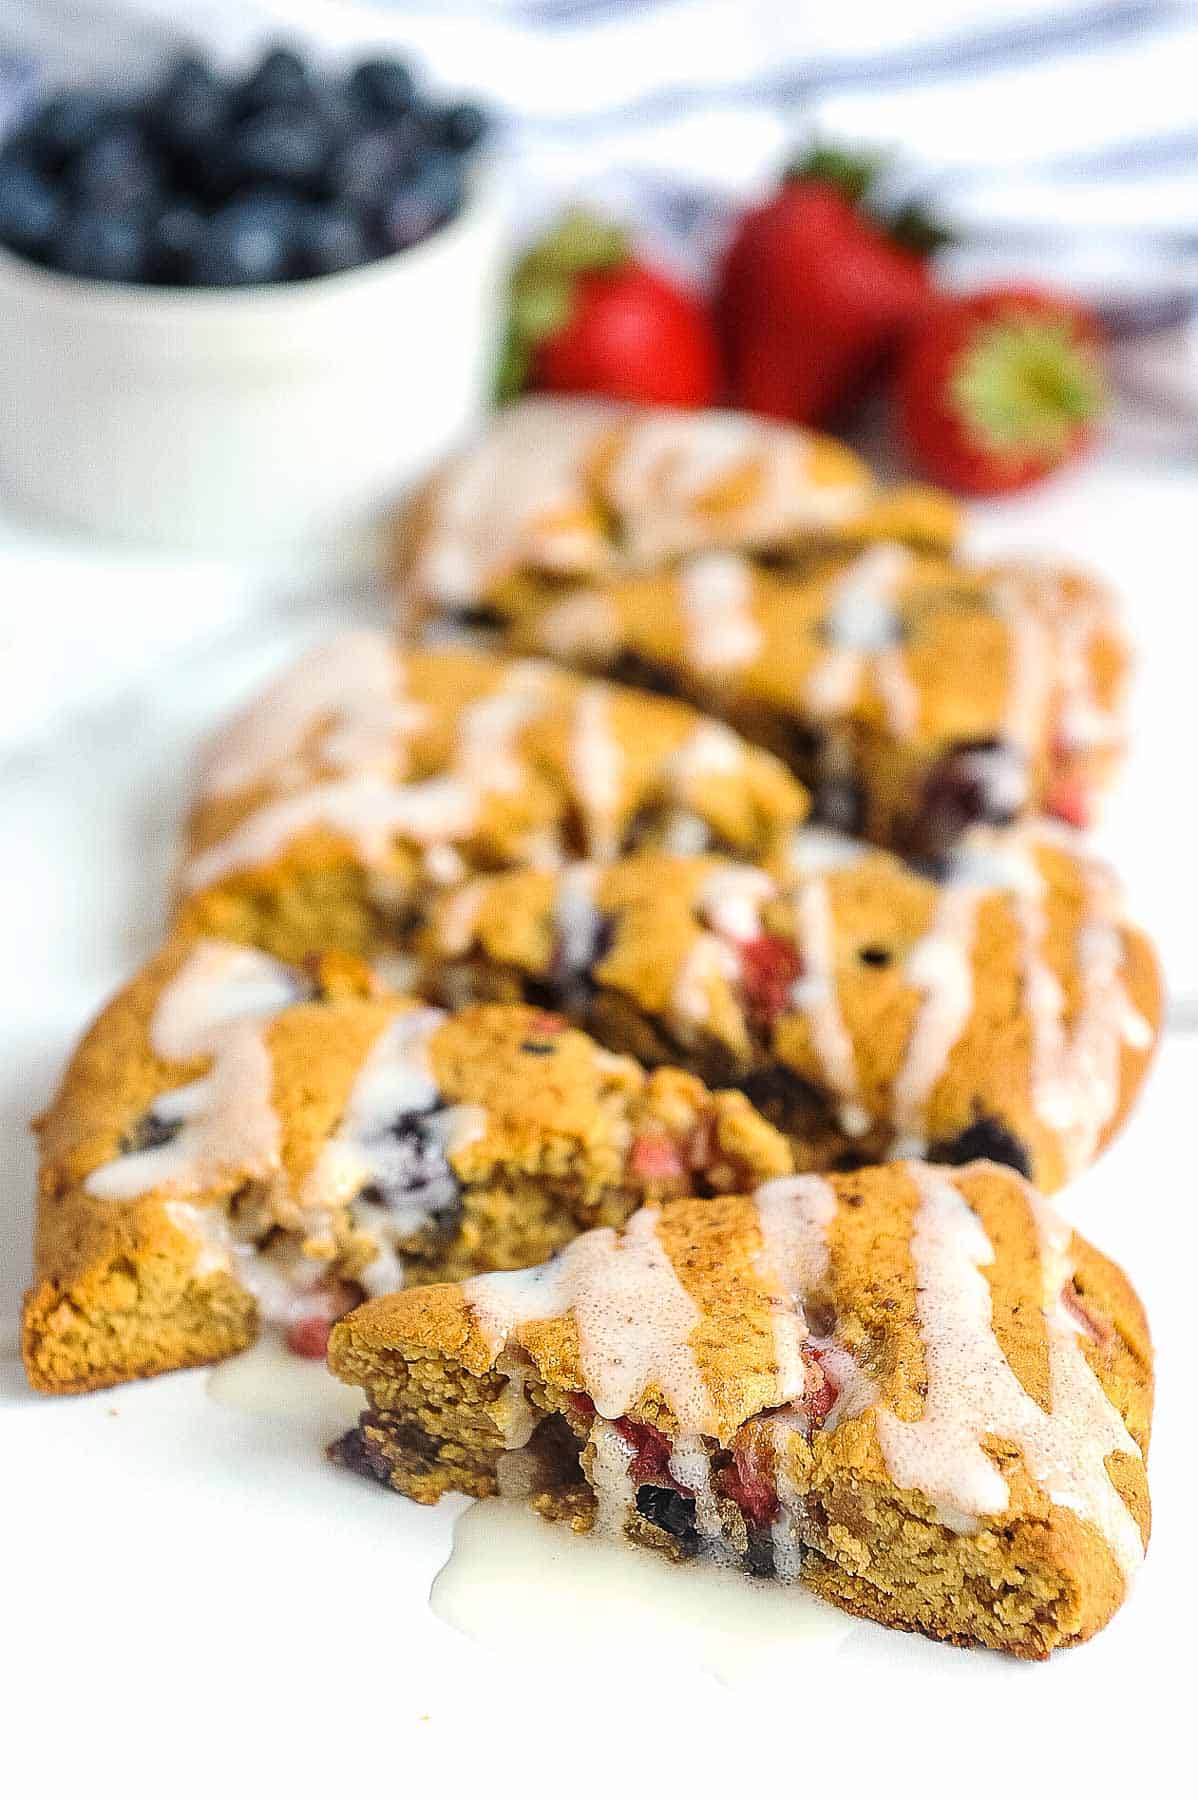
(982, 782)
(175, 239)
(282, 145)
(29, 208)
(101, 246)
(150, 1133)
(759, 1555)
(462, 127)
(410, 1164)
(383, 84)
(189, 107)
(67, 122)
(986, 1140)
(367, 167)
(280, 79)
(330, 239)
(673, 1513)
(247, 242)
(428, 198)
(118, 169)
(840, 802)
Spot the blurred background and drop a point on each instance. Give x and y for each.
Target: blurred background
(1049, 140)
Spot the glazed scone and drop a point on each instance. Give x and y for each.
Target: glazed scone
(238, 1140)
(910, 1388)
(870, 1011)
(368, 776)
(561, 491)
(914, 696)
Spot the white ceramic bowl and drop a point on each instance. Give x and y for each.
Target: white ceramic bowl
(223, 418)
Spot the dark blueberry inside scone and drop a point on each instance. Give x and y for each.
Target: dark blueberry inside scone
(986, 1140)
(818, 1383)
(980, 783)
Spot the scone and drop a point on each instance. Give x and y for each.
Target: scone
(236, 1140)
(368, 776)
(910, 1388)
(556, 492)
(915, 696)
(870, 1011)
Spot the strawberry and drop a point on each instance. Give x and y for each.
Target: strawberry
(743, 1483)
(997, 389)
(309, 1337)
(589, 317)
(1067, 798)
(769, 968)
(655, 1157)
(814, 293)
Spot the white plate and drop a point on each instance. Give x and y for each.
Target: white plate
(197, 1603)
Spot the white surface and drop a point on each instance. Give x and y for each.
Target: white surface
(196, 1603)
(258, 416)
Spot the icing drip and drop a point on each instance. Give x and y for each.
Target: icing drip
(633, 1316)
(577, 918)
(973, 1393)
(596, 766)
(818, 850)
(940, 965)
(690, 1465)
(793, 1215)
(1032, 658)
(786, 1530)
(583, 626)
(351, 689)
(612, 1457)
(488, 727)
(459, 918)
(730, 901)
(814, 995)
(669, 464)
(711, 749)
(862, 627)
(367, 810)
(215, 1006)
(717, 602)
(708, 963)
(517, 497)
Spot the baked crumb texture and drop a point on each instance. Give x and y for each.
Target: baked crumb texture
(758, 571)
(368, 777)
(240, 1141)
(910, 1388)
(1006, 1010)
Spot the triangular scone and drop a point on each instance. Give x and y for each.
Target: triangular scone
(914, 696)
(368, 777)
(237, 1139)
(561, 491)
(910, 1388)
(1007, 1010)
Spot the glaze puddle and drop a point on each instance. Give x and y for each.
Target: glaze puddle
(516, 1584)
(270, 1381)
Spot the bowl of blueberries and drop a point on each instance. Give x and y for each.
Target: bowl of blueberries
(243, 306)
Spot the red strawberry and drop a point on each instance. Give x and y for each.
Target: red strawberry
(814, 293)
(997, 389)
(769, 967)
(820, 1394)
(588, 317)
(1067, 798)
(655, 1157)
(652, 1460)
(310, 1337)
(743, 1483)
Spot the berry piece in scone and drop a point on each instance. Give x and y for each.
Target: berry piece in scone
(912, 1389)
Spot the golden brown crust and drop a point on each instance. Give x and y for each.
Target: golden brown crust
(1029, 1578)
(567, 1136)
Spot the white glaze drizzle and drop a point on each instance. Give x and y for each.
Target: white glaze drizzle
(814, 995)
(369, 811)
(585, 627)
(862, 629)
(819, 849)
(514, 498)
(716, 591)
(633, 1316)
(576, 915)
(793, 1216)
(710, 962)
(973, 1393)
(596, 767)
(730, 900)
(612, 1457)
(352, 688)
(668, 463)
(216, 1006)
(940, 966)
(485, 753)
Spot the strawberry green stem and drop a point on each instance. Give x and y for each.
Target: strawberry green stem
(1025, 386)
